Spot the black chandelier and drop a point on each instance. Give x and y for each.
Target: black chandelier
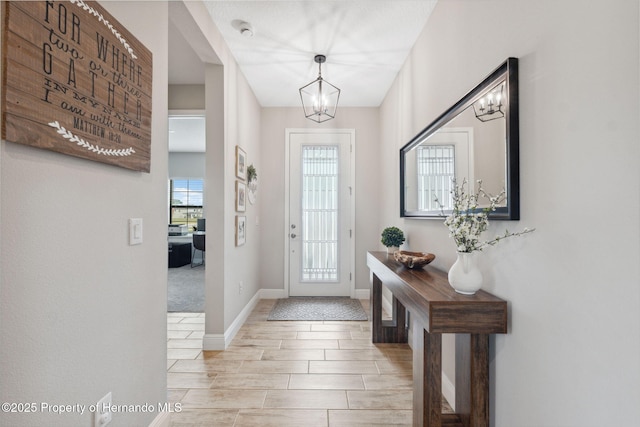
(319, 98)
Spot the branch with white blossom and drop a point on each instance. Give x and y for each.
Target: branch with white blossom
(467, 221)
(506, 234)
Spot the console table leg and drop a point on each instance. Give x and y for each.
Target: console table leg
(393, 331)
(472, 379)
(432, 380)
(418, 372)
(479, 380)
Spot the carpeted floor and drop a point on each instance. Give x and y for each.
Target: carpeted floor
(317, 308)
(185, 289)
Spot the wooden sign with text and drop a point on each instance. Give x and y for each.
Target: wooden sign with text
(76, 82)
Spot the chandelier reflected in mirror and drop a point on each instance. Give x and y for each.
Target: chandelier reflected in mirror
(491, 106)
(319, 98)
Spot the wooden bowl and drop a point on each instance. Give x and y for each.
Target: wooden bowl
(413, 259)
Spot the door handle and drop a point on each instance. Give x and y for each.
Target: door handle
(293, 235)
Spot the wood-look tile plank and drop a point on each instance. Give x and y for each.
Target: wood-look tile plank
(196, 335)
(333, 327)
(275, 366)
(234, 353)
(366, 418)
(175, 396)
(204, 417)
(276, 335)
(359, 354)
(355, 344)
(267, 327)
(192, 320)
(185, 326)
(360, 335)
(293, 354)
(183, 353)
(306, 399)
(223, 399)
(399, 367)
(260, 381)
(256, 343)
(397, 353)
(325, 382)
(281, 418)
(331, 335)
(310, 344)
(184, 314)
(185, 343)
(388, 382)
(380, 399)
(178, 334)
(199, 365)
(189, 379)
(342, 367)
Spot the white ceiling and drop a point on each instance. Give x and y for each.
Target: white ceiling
(365, 41)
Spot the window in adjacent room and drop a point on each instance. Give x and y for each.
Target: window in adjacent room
(185, 206)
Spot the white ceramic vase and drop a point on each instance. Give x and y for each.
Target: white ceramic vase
(464, 276)
(392, 249)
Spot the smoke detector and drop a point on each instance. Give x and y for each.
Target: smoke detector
(245, 29)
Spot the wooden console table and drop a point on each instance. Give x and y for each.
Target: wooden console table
(437, 309)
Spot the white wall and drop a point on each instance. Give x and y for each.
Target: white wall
(367, 235)
(82, 312)
(233, 118)
(242, 129)
(572, 351)
(186, 97)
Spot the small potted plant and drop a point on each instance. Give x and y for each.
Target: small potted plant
(252, 183)
(392, 238)
(251, 173)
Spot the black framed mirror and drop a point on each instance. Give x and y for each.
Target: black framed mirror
(477, 138)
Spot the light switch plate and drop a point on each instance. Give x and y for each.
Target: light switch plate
(135, 231)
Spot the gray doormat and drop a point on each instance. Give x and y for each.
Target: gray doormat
(317, 308)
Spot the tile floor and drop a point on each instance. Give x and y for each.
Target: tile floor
(287, 373)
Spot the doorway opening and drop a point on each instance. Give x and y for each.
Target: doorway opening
(186, 211)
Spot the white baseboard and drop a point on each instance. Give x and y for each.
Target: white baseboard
(222, 341)
(213, 342)
(272, 294)
(362, 293)
(279, 293)
(235, 326)
(162, 420)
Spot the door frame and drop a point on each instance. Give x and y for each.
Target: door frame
(352, 201)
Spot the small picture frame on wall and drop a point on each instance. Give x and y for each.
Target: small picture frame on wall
(241, 163)
(241, 230)
(241, 196)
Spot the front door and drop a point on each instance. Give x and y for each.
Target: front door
(319, 229)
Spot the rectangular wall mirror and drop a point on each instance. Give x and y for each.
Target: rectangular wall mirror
(477, 138)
